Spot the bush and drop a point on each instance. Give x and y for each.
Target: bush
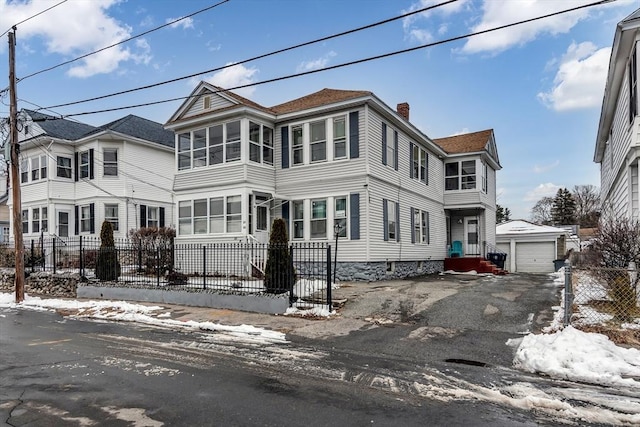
(147, 241)
(107, 264)
(617, 242)
(279, 273)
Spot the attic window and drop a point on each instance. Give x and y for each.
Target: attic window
(206, 101)
(26, 129)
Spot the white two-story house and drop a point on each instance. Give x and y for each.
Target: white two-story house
(74, 176)
(334, 160)
(617, 147)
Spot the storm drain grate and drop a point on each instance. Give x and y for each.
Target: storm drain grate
(467, 362)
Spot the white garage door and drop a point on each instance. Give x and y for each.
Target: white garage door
(535, 257)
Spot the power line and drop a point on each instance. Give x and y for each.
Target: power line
(33, 16)
(346, 64)
(124, 41)
(265, 55)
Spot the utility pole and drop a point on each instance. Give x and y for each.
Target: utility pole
(15, 178)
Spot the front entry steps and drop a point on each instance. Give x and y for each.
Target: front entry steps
(478, 264)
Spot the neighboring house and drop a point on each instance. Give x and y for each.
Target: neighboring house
(74, 176)
(618, 141)
(530, 248)
(332, 160)
(4, 219)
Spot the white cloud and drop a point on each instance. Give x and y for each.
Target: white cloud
(580, 79)
(230, 77)
(315, 64)
(545, 168)
(461, 132)
(542, 190)
(86, 27)
(422, 35)
(184, 23)
(213, 47)
(499, 13)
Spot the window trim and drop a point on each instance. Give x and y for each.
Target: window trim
(313, 219)
(85, 221)
(114, 220)
(295, 220)
(228, 217)
(464, 181)
(84, 165)
(109, 164)
(63, 168)
(319, 142)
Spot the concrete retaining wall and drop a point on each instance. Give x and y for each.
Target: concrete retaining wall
(252, 303)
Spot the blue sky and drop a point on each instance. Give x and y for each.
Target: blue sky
(538, 85)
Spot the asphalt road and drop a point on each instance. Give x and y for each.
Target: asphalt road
(425, 351)
(59, 372)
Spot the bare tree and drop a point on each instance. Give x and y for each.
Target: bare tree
(541, 211)
(587, 198)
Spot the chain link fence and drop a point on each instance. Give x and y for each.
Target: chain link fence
(602, 299)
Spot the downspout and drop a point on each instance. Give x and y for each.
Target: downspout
(366, 184)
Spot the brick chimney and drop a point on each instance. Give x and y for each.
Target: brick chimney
(403, 110)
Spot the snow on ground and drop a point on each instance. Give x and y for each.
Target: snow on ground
(151, 315)
(564, 353)
(570, 354)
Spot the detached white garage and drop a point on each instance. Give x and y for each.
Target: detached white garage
(530, 248)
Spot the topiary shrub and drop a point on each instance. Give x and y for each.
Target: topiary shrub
(279, 273)
(107, 264)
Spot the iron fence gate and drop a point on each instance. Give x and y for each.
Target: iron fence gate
(303, 270)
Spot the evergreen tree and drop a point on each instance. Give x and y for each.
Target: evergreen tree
(563, 210)
(107, 264)
(279, 273)
(502, 214)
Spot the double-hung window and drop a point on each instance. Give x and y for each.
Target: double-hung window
(216, 149)
(184, 151)
(35, 168)
(485, 177)
(255, 154)
(451, 176)
(318, 141)
(184, 217)
(24, 171)
(260, 143)
(199, 153)
(297, 145)
(232, 141)
(391, 220)
(35, 220)
(391, 147)
(110, 162)
(85, 218)
(84, 166)
(340, 216)
(216, 215)
(267, 145)
(298, 219)
(153, 216)
(420, 222)
(63, 167)
(25, 220)
(468, 175)
(339, 138)
(200, 216)
(419, 164)
(234, 214)
(319, 219)
(111, 215)
(38, 168)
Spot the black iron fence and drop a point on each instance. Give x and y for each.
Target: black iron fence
(301, 270)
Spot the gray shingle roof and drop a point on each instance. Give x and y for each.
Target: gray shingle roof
(139, 127)
(59, 128)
